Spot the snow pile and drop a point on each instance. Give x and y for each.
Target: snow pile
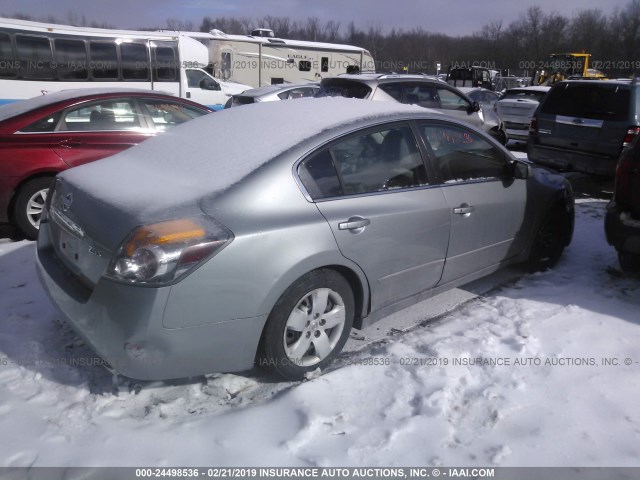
(523, 375)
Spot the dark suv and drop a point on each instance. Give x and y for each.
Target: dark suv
(622, 223)
(421, 90)
(583, 125)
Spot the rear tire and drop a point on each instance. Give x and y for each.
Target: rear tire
(29, 204)
(308, 325)
(549, 242)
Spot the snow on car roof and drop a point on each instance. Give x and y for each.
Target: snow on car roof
(23, 106)
(215, 151)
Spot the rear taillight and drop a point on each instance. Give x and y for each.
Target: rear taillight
(161, 253)
(632, 132)
(533, 126)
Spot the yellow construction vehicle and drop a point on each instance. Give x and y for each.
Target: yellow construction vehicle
(561, 66)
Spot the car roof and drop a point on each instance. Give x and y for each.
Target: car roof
(603, 81)
(364, 77)
(467, 90)
(538, 88)
(213, 152)
(23, 106)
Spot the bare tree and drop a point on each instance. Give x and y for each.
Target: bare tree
(313, 28)
(586, 30)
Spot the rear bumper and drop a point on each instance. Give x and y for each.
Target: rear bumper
(622, 232)
(124, 325)
(517, 133)
(562, 159)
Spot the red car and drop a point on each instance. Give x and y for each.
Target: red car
(622, 223)
(45, 135)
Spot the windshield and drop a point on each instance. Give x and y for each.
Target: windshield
(566, 64)
(596, 101)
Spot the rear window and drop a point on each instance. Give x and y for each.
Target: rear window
(460, 74)
(523, 94)
(343, 88)
(596, 101)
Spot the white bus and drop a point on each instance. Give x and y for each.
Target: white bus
(260, 59)
(39, 57)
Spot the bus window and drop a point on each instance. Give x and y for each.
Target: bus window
(304, 66)
(34, 54)
(165, 64)
(71, 59)
(135, 61)
(104, 61)
(7, 61)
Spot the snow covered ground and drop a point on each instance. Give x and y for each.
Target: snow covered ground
(515, 377)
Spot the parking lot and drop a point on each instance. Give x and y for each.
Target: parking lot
(297, 244)
(455, 376)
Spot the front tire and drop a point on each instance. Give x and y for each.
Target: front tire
(549, 242)
(29, 204)
(308, 325)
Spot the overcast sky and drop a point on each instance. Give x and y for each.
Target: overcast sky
(454, 17)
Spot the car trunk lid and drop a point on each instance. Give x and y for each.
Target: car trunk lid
(516, 110)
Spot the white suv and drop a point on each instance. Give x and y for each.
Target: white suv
(422, 90)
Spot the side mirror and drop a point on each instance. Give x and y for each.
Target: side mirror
(475, 107)
(517, 170)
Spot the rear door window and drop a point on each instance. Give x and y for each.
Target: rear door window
(421, 94)
(375, 161)
(43, 125)
(319, 176)
(597, 101)
(101, 116)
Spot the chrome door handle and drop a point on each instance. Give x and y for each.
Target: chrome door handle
(464, 209)
(354, 223)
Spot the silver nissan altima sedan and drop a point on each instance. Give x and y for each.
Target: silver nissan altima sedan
(262, 235)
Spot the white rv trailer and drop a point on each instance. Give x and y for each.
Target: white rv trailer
(260, 59)
(36, 58)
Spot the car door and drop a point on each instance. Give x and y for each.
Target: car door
(97, 130)
(486, 206)
(204, 89)
(373, 189)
